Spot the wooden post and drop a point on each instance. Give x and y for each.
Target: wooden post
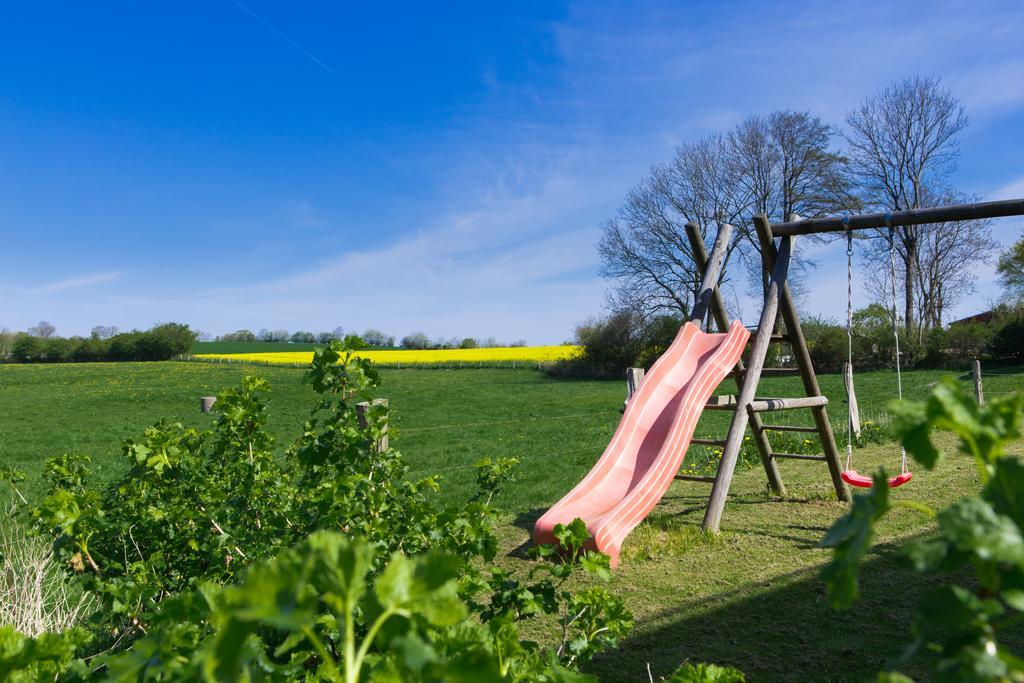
(979, 395)
(803, 359)
(851, 397)
(633, 377)
(712, 271)
(722, 322)
(733, 442)
(206, 403)
(362, 410)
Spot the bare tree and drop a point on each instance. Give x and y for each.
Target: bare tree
(645, 250)
(776, 165)
(784, 165)
(943, 267)
(104, 332)
(44, 329)
(903, 145)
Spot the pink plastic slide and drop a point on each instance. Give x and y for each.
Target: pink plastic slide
(648, 447)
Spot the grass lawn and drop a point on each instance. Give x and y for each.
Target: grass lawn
(252, 347)
(749, 598)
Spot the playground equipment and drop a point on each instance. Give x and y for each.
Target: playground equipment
(647, 449)
(850, 475)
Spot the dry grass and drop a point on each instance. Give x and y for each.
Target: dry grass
(35, 595)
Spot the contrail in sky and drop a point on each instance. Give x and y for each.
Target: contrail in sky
(283, 36)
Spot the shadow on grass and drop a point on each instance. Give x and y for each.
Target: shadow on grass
(784, 631)
(525, 521)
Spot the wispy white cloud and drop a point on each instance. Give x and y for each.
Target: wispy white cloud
(1011, 190)
(74, 283)
(514, 266)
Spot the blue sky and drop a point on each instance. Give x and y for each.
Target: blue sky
(441, 167)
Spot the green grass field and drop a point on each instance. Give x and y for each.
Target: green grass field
(250, 347)
(749, 598)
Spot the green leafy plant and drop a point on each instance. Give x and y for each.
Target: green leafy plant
(981, 533)
(212, 559)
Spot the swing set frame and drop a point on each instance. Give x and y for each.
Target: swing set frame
(749, 409)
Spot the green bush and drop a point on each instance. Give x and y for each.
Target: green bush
(1007, 341)
(968, 341)
(212, 559)
(27, 349)
(827, 343)
(655, 338)
(610, 345)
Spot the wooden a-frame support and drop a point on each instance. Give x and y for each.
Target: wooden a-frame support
(746, 406)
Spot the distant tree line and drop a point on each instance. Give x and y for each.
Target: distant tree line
(372, 337)
(627, 339)
(419, 340)
(997, 336)
(41, 345)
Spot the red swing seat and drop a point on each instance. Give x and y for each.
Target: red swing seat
(854, 478)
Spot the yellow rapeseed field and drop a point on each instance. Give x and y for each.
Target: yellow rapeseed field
(496, 356)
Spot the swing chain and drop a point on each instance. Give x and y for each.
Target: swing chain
(896, 325)
(849, 346)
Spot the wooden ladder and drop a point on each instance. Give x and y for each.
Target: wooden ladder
(746, 406)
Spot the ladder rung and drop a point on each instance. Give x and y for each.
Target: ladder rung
(690, 477)
(798, 456)
(707, 442)
(760, 405)
(789, 428)
(763, 403)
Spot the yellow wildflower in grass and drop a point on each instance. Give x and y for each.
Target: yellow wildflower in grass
(504, 355)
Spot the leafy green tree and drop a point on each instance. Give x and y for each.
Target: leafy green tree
(1008, 338)
(416, 340)
(826, 342)
(375, 337)
(26, 348)
(239, 336)
(1011, 269)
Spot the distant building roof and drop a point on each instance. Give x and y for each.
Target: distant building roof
(982, 317)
